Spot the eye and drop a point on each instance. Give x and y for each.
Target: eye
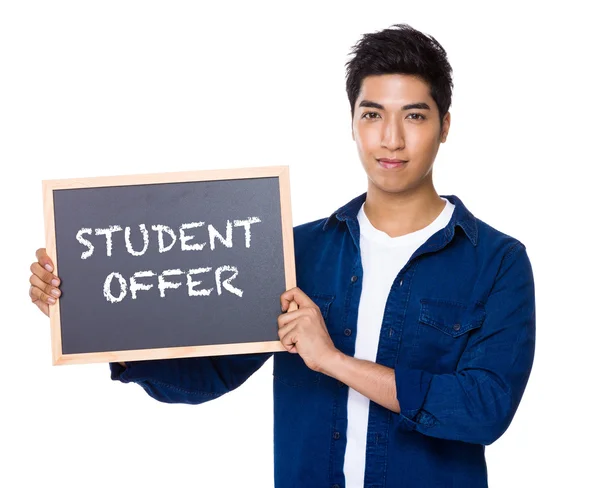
(364, 116)
(417, 115)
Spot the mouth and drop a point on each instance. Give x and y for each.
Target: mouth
(391, 163)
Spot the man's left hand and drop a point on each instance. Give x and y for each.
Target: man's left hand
(303, 331)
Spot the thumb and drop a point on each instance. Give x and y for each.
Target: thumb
(294, 295)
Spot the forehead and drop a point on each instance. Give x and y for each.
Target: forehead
(394, 89)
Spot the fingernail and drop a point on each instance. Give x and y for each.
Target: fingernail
(48, 267)
(51, 300)
(56, 293)
(55, 283)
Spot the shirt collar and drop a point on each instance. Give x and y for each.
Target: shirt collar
(461, 216)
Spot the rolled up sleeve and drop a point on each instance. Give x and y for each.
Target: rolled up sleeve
(478, 401)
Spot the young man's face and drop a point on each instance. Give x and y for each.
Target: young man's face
(395, 118)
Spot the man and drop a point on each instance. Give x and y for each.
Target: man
(414, 336)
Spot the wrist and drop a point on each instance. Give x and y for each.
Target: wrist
(333, 363)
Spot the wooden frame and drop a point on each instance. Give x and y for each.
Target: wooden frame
(48, 187)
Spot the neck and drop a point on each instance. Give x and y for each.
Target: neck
(398, 214)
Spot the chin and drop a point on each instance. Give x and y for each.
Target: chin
(389, 183)
(389, 187)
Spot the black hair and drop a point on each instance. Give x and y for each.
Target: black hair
(401, 49)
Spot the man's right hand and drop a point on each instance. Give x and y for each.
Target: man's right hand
(44, 289)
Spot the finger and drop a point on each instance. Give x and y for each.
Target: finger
(295, 295)
(38, 294)
(44, 275)
(287, 317)
(283, 331)
(44, 259)
(49, 290)
(288, 337)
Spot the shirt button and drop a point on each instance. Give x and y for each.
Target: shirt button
(354, 279)
(456, 327)
(401, 282)
(336, 486)
(336, 435)
(347, 332)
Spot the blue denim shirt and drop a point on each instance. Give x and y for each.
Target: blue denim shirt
(458, 330)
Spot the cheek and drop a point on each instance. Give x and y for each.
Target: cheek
(367, 139)
(424, 142)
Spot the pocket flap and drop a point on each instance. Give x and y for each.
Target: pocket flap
(322, 301)
(452, 318)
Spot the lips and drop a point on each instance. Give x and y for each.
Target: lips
(391, 163)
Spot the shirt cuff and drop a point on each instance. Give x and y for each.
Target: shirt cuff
(116, 370)
(412, 386)
(138, 371)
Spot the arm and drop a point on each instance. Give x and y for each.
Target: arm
(477, 402)
(370, 379)
(189, 380)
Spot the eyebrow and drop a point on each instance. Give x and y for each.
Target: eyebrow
(410, 106)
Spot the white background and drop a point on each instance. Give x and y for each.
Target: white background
(120, 87)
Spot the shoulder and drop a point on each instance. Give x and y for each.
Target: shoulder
(331, 226)
(309, 234)
(310, 229)
(498, 250)
(490, 237)
(320, 239)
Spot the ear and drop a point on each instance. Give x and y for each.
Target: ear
(352, 128)
(445, 127)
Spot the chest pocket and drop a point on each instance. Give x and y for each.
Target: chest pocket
(289, 368)
(443, 329)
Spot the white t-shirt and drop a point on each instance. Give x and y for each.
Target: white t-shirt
(382, 259)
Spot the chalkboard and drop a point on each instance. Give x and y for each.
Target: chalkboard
(169, 265)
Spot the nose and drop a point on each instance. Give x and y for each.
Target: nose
(393, 135)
